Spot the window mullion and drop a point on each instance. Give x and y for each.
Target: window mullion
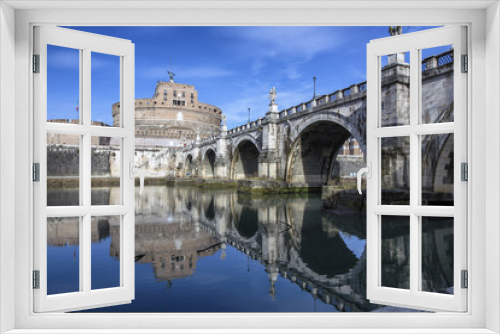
(414, 170)
(85, 176)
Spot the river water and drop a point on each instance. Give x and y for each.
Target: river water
(220, 251)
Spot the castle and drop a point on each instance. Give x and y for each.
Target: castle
(172, 117)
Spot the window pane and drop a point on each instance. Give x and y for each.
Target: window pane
(63, 255)
(395, 252)
(63, 84)
(437, 84)
(437, 254)
(105, 252)
(63, 169)
(106, 170)
(437, 169)
(395, 168)
(105, 90)
(395, 94)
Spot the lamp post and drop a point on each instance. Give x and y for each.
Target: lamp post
(314, 80)
(248, 115)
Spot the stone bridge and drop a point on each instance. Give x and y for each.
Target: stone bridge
(300, 144)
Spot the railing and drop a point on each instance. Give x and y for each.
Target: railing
(441, 59)
(245, 127)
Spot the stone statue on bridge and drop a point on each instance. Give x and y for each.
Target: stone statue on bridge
(223, 119)
(272, 96)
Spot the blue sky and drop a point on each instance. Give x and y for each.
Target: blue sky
(231, 67)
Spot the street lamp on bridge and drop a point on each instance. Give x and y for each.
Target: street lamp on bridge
(314, 81)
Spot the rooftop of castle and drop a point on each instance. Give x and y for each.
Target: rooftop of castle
(170, 94)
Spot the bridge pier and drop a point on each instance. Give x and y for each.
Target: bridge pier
(269, 157)
(221, 161)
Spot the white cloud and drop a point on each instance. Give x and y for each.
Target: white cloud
(300, 42)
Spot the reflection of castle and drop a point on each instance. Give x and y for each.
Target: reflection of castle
(65, 231)
(172, 248)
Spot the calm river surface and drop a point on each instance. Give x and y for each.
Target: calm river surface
(219, 251)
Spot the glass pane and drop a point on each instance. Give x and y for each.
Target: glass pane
(437, 254)
(437, 84)
(63, 169)
(63, 255)
(105, 90)
(105, 252)
(437, 169)
(395, 252)
(395, 169)
(395, 94)
(106, 170)
(63, 84)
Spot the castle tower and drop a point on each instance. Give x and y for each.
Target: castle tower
(172, 117)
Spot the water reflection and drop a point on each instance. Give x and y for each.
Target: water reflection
(219, 251)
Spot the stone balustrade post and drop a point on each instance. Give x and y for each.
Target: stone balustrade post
(340, 95)
(431, 62)
(354, 89)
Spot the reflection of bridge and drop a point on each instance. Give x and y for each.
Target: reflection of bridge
(288, 235)
(272, 231)
(300, 145)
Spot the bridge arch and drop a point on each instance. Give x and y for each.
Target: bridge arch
(208, 163)
(316, 142)
(245, 162)
(358, 131)
(188, 165)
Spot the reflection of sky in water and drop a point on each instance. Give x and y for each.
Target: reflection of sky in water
(355, 244)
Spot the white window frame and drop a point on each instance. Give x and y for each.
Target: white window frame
(484, 103)
(85, 43)
(414, 296)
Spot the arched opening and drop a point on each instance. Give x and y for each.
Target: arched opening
(246, 222)
(245, 161)
(209, 164)
(188, 169)
(318, 242)
(313, 155)
(323, 251)
(209, 207)
(438, 169)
